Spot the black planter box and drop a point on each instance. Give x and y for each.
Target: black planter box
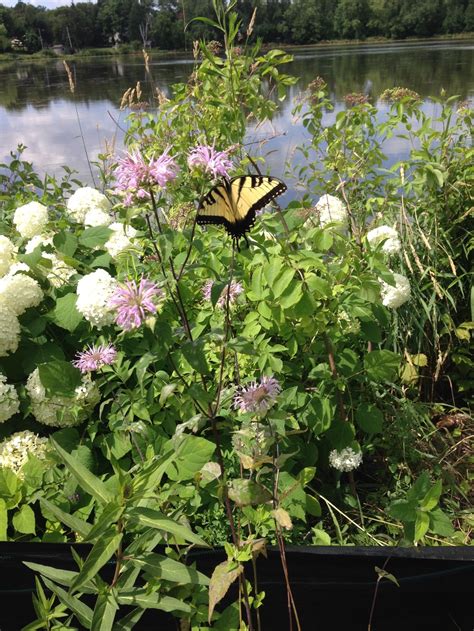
(333, 587)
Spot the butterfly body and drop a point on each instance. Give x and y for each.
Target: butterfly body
(234, 203)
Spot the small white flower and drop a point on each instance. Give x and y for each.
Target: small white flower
(16, 449)
(93, 295)
(84, 200)
(9, 331)
(7, 251)
(331, 210)
(395, 296)
(59, 272)
(97, 217)
(387, 234)
(345, 460)
(30, 219)
(119, 241)
(9, 402)
(60, 411)
(19, 292)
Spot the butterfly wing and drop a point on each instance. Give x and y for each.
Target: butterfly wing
(234, 203)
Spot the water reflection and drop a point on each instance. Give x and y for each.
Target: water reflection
(38, 109)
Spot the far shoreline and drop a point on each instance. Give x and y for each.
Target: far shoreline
(160, 53)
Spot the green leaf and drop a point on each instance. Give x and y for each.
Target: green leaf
(82, 612)
(65, 313)
(60, 378)
(282, 282)
(422, 523)
(74, 523)
(3, 520)
(192, 454)
(164, 568)
(195, 356)
(271, 270)
(24, 520)
(369, 418)
(63, 577)
(153, 519)
(65, 242)
(141, 598)
(129, 622)
(292, 295)
(384, 574)
(382, 365)
(222, 578)
(104, 612)
(431, 499)
(248, 493)
(110, 515)
(88, 481)
(101, 552)
(95, 237)
(440, 523)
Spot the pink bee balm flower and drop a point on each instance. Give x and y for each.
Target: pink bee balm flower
(135, 175)
(211, 161)
(133, 302)
(258, 397)
(95, 357)
(235, 290)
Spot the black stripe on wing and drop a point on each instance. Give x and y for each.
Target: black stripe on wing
(256, 181)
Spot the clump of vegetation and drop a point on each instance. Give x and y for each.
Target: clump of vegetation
(159, 385)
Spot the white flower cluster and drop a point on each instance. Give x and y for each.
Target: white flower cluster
(7, 251)
(60, 411)
(30, 219)
(9, 402)
(59, 273)
(93, 295)
(16, 449)
(19, 292)
(394, 296)
(345, 460)
(9, 331)
(388, 235)
(87, 202)
(97, 217)
(330, 210)
(119, 241)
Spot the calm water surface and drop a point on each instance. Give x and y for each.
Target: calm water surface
(38, 110)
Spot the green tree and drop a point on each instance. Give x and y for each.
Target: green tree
(351, 19)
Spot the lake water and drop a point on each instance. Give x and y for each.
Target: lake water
(38, 110)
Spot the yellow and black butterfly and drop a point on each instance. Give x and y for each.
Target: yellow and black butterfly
(234, 203)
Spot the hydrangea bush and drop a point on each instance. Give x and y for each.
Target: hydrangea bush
(159, 386)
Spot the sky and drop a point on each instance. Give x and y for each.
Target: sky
(49, 4)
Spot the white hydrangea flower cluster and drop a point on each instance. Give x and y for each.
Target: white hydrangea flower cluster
(93, 295)
(7, 252)
(119, 241)
(97, 217)
(387, 234)
(9, 401)
(331, 210)
(60, 272)
(16, 449)
(60, 411)
(345, 460)
(30, 219)
(87, 200)
(19, 292)
(9, 331)
(394, 296)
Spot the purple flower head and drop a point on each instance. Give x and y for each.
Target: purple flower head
(211, 161)
(135, 175)
(133, 302)
(235, 290)
(257, 397)
(95, 357)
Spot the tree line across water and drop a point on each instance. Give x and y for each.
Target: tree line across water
(168, 24)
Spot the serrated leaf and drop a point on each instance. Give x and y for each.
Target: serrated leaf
(74, 523)
(65, 313)
(164, 568)
(82, 612)
(282, 282)
(3, 520)
(153, 519)
(88, 481)
(95, 236)
(440, 523)
(101, 552)
(221, 579)
(59, 378)
(65, 242)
